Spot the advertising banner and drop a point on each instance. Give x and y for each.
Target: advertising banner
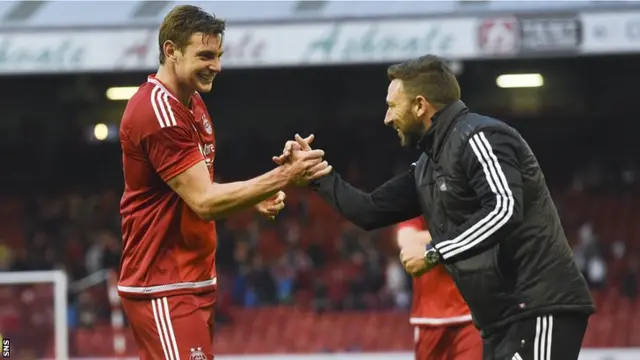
(557, 34)
(529, 36)
(610, 33)
(245, 46)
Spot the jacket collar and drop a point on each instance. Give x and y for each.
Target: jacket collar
(441, 123)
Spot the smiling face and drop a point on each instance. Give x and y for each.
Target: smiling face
(198, 64)
(190, 41)
(405, 114)
(419, 88)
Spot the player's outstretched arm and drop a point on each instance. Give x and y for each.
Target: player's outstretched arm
(394, 201)
(212, 201)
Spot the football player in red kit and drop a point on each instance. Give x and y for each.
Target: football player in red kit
(442, 321)
(167, 275)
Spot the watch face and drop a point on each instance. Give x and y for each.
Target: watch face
(433, 256)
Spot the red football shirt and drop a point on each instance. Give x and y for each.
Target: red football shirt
(436, 300)
(168, 249)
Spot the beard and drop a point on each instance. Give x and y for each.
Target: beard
(412, 134)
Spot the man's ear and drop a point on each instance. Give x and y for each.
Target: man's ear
(420, 106)
(170, 50)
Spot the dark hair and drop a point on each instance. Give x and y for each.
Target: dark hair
(185, 20)
(429, 76)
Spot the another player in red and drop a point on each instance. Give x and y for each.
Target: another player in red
(442, 320)
(168, 272)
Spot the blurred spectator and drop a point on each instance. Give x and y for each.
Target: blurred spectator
(586, 248)
(104, 253)
(284, 276)
(397, 283)
(86, 310)
(618, 249)
(589, 257)
(260, 288)
(316, 254)
(630, 278)
(6, 258)
(596, 272)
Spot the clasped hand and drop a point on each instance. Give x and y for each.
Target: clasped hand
(272, 206)
(301, 162)
(301, 165)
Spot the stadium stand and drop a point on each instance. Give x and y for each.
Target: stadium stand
(309, 282)
(294, 276)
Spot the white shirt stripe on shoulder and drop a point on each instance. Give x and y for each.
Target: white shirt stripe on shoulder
(157, 83)
(498, 216)
(162, 108)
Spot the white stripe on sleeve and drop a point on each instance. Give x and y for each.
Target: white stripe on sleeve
(498, 216)
(162, 108)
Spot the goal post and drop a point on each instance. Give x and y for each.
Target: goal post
(60, 288)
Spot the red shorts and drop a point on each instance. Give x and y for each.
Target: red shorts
(172, 328)
(458, 342)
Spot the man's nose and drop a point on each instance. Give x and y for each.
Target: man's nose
(215, 66)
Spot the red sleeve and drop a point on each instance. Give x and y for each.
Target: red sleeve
(415, 223)
(171, 151)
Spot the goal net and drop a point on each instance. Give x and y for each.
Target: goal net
(33, 315)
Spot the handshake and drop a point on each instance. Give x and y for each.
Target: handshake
(300, 163)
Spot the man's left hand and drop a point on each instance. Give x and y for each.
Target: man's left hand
(272, 206)
(301, 145)
(412, 258)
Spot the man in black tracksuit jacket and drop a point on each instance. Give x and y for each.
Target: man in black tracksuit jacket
(493, 223)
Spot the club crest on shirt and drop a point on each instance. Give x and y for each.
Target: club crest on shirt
(207, 124)
(197, 354)
(442, 184)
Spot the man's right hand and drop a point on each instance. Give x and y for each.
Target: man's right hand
(298, 144)
(301, 162)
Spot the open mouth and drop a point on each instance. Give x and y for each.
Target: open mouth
(206, 77)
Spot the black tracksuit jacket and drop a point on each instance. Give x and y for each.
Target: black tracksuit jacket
(480, 189)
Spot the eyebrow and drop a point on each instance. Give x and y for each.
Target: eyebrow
(210, 53)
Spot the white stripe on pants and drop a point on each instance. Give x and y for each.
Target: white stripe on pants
(543, 337)
(165, 328)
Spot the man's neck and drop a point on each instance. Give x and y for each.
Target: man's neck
(427, 121)
(170, 81)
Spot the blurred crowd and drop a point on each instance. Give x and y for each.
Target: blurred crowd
(308, 257)
(301, 258)
(603, 264)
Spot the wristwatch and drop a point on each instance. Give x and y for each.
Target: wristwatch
(431, 256)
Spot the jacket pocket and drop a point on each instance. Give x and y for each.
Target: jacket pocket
(457, 199)
(482, 285)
